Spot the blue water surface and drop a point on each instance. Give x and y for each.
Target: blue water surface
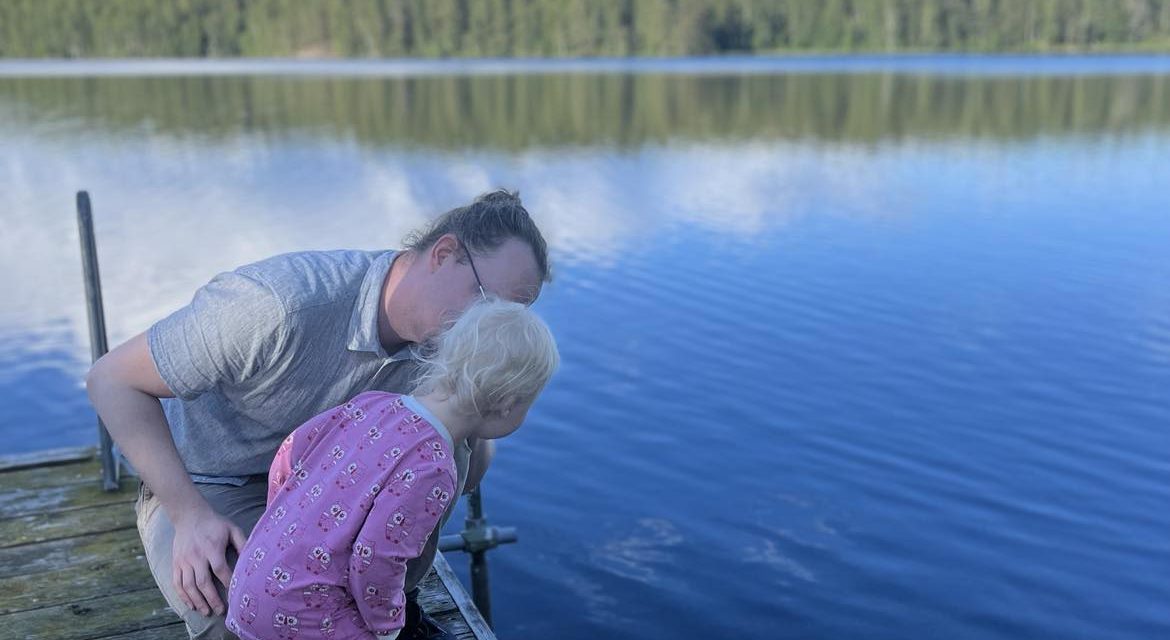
(902, 385)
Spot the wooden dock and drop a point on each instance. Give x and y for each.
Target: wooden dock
(72, 566)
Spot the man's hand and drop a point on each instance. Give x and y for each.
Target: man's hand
(200, 552)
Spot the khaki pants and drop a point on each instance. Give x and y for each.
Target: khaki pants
(243, 506)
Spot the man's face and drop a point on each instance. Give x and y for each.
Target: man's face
(509, 272)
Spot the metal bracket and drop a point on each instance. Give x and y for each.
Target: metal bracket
(478, 537)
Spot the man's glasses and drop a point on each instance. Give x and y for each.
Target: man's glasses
(479, 282)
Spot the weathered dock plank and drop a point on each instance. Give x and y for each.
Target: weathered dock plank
(49, 457)
(84, 472)
(43, 527)
(433, 596)
(29, 499)
(93, 618)
(74, 583)
(66, 552)
(469, 613)
(454, 622)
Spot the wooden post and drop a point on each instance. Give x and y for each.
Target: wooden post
(97, 328)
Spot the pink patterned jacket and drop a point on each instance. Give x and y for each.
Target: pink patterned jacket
(353, 494)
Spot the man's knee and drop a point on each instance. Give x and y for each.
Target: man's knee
(201, 627)
(242, 505)
(158, 537)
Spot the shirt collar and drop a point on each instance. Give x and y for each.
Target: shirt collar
(434, 420)
(363, 321)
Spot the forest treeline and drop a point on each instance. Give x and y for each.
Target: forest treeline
(557, 28)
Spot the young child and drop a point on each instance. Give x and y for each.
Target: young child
(356, 491)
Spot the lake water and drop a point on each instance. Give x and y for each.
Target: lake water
(853, 348)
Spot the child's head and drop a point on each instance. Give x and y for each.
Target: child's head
(491, 363)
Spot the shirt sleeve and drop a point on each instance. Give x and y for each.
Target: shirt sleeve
(395, 531)
(231, 329)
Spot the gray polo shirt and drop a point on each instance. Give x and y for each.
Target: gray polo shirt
(262, 349)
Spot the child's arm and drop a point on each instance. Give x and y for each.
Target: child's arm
(394, 532)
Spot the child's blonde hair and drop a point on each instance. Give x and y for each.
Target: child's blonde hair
(495, 354)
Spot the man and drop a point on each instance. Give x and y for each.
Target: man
(200, 402)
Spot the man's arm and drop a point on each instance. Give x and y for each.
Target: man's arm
(124, 387)
(477, 464)
(230, 331)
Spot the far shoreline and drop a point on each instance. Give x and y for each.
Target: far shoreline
(948, 63)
